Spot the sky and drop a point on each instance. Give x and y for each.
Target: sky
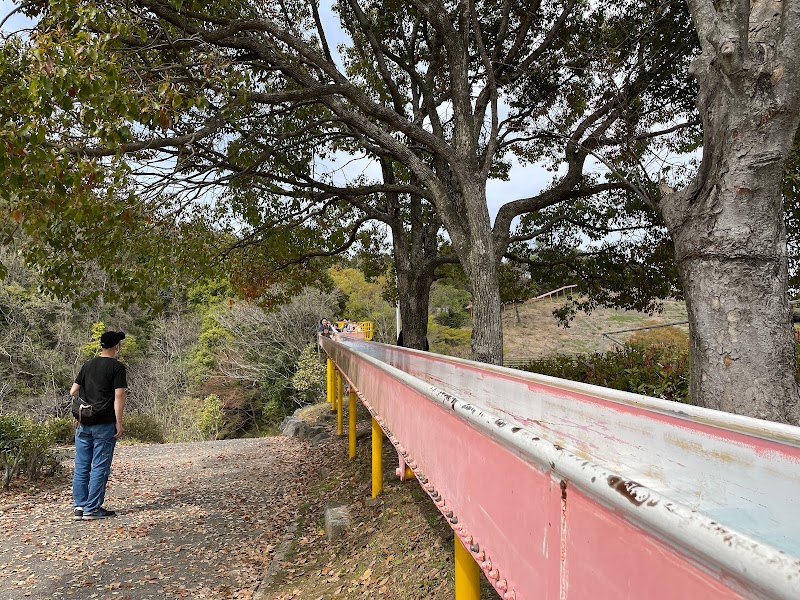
(16, 21)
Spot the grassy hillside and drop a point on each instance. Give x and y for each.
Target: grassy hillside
(539, 334)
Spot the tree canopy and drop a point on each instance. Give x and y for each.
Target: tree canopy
(223, 112)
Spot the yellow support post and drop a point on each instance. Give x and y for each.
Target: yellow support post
(468, 574)
(339, 400)
(351, 417)
(335, 389)
(330, 382)
(377, 459)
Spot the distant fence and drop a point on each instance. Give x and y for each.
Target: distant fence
(555, 293)
(521, 362)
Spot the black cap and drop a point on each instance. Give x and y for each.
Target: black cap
(109, 339)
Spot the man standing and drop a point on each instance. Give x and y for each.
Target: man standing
(101, 386)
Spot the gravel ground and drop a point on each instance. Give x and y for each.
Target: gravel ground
(196, 520)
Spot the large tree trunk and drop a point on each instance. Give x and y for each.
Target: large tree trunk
(487, 321)
(416, 251)
(465, 215)
(735, 281)
(728, 228)
(480, 264)
(414, 290)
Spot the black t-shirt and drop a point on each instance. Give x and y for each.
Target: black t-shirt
(99, 378)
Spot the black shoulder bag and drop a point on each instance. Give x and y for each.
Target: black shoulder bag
(82, 409)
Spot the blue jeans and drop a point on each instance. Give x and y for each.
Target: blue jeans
(94, 449)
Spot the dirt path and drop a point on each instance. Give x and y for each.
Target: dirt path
(194, 521)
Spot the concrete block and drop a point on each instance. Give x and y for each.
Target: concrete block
(337, 520)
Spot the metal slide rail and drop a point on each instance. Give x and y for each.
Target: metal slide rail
(561, 490)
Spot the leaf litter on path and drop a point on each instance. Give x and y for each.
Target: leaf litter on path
(194, 521)
(203, 521)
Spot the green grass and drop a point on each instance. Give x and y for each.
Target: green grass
(626, 318)
(539, 335)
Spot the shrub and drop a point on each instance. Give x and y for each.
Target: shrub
(672, 337)
(144, 428)
(658, 371)
(451, 317)
(309, 378)
(24, 445)
(62, 429)
(37, 447)
(450, 341)
(274, 411)
(276, 403)
(10, 447)
(210, 418)
(180, 420)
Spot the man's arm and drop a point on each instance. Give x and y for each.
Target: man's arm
(119, 409)
(74, 390)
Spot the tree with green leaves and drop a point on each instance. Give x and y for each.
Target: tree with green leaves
(502, 87)
(449, 90)
(620, 258)
(93, 196)
(725, 219)
(449, 304)
(242, 188)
